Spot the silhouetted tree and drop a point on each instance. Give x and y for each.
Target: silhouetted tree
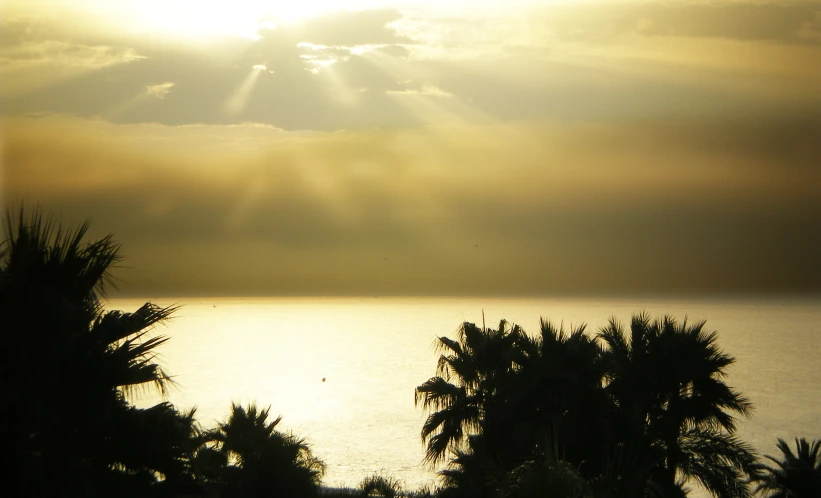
(377, 486)
(158, 439)
(794, 475)
(68, 364)
(556, 405)
(635, 419)
(461, 397)
(258, 460)
(666, 380)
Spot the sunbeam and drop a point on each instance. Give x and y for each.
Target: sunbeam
(438, 108)
(338, 90)
(238, 101)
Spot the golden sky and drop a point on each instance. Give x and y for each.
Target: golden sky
(424, 147)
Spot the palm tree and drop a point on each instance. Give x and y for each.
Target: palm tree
(381, 487)
(557, 403)
(67, 364)
(505, 399)
(795, 475)
(461, 397)
(260, 460)
(667, 382)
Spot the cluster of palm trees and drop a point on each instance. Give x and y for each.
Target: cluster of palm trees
(560, 414)
(616, 414)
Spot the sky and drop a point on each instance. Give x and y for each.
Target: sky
(601, 147)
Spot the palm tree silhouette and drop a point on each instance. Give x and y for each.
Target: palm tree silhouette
(258, 460)
(470, 372)
(378, 486)
(666, 381)
(503, 399)
(143, 442)
(556, 398)
(794, 475)
(68, 365)
(638, 417)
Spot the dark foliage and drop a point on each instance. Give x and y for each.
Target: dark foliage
(68, 364)
(631, 415)
(794, 475)
(247, 456)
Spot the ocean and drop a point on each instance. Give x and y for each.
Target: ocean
(342, 371)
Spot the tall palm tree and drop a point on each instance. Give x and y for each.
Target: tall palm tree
(667, 381)
(261, 460)
(794, 475)
(461, 396)
(67, 364)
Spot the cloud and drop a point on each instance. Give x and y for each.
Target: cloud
(159, 91)
(741, 20)
(553, 208)
(360, 69)
(541, 30)
(622, 148)
(31, 43)
(33, 57)
(470, 35)
(786, 23)
(425, 90)
(63, 54)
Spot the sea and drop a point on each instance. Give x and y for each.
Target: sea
(342, 371)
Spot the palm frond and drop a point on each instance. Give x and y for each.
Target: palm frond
(116, 325)
(436, 393)
(718, 460)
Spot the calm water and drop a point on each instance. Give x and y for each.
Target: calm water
(373, 353)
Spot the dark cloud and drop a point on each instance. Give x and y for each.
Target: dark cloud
(763, 21)
(740, 21)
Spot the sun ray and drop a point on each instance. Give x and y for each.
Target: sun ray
(238, 101)
(438, 108)
(398, 68)
(338, 89)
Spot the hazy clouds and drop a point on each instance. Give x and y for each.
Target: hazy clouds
(573, 208)
(596, 147)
